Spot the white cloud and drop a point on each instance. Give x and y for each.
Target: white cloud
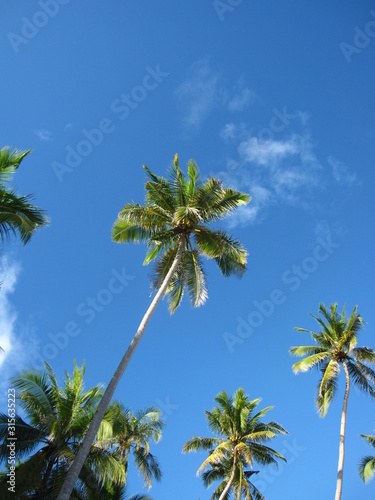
(228, 132)
(284, 171)
(243, 97)
(341, 173)
(266, 152)
(204, 89)
(8, 278)
(232, 132)
(17, 342)
(197, 95)
(43, 134)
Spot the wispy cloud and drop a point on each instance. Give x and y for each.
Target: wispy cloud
(283, 171)
(16, 344)
(204, 89)
(197, 95)
(43, 134)
(242, 98)
(266, 152)
(341, 172)
(8, 278)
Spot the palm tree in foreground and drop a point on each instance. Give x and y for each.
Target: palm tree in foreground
(173, 222)
(58, 418)
(367, 465)
(336, 346)
(240, 444)
(17, 214)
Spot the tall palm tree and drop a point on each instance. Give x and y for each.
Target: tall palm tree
(173, 222)
(335, 346)
(17, 214)
(57, 421)
(240, 444)
(126, 432)
(367, 465)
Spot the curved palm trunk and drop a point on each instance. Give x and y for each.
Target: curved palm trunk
(340, 471)
(227, 488)
(83, 451)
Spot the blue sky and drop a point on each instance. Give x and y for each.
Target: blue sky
(275, 98)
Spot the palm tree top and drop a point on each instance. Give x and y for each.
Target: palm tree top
(239, 426)
(335, 345)
(179, 209)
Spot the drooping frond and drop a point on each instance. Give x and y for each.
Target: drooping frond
(310, 361)
(331, 371)
(195, 278)
(229, 254)
(362, 376)
(324, 399)
(367, 468)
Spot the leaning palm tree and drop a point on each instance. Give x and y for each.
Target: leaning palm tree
(367, 465)
(126, 432)
(336, 346)
(17, 214)
(57, 419)
(173, 222)
(240, 444)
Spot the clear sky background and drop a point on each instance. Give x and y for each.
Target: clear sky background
(276, 98)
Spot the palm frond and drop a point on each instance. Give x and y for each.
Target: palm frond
(367, 468)
(309, 362)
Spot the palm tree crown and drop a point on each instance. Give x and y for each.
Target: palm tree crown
(336, 345)
(17, 214)
(241, 443)
(178, 210)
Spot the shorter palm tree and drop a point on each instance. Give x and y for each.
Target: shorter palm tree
(123, 432)
(367, 465)
(17, 214)
(240, 444)
(241, 484)
(336, 346)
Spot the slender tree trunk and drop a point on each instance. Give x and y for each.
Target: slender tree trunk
(83, 451)
(340, 471)
(227, 488)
